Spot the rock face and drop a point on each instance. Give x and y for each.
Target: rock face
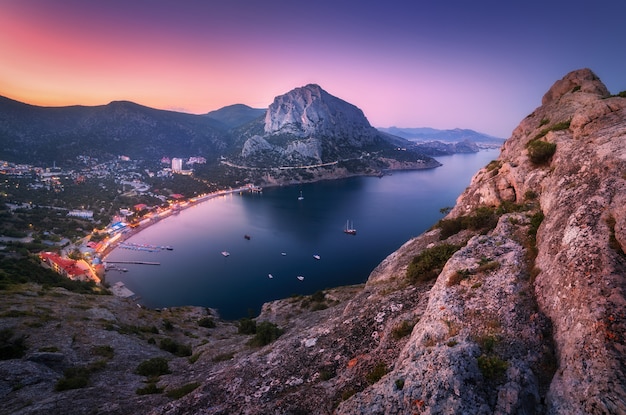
(524, 313)
(309, 126)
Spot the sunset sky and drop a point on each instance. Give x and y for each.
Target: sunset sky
(476, 64)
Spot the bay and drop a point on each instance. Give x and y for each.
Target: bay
(284, 235)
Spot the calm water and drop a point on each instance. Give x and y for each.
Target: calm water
(385, 211)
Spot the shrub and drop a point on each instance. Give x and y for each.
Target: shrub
(222, 357)
(540, 152)
(11, 347)
(458, 276)
(246, 326)
(73, 378)
(492, 367)
(156, 366)
(175, 348)
(429, 262)
(377, 373)
(403, 329)
(318, 296)
(104, 351)
(206, 322)
(483, 218)
(266, 333)
(182, 391)
(150, 389)
(399, 384)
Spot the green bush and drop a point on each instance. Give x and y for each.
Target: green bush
(540, 152)
(246, 326)
(73, 378)
(150, 389)
(492, 367)
(402, 330)
(11, 347)
(182, 391)
(266, 333)
(376, 373)
(428, 264)
(175, 348)
(482, 218)
(156, 366)
(206, 322)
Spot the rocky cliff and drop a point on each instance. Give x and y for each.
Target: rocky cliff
(514, 303)
(309, 126)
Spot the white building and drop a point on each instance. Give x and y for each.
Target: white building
(177, 164)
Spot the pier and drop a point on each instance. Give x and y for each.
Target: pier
(134, 262)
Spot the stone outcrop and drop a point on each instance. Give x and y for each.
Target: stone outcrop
(307, 126)
(525, 314)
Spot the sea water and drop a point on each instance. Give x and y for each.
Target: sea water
(284, 233)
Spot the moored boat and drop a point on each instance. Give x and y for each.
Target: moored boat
(349, 229)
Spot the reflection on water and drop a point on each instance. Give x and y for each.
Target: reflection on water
(385, 211)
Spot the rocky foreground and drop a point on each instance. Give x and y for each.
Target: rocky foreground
(514, 303)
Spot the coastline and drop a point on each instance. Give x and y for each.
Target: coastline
(144, 224)
(122, 236)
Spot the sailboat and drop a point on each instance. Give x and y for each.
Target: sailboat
(349, 229)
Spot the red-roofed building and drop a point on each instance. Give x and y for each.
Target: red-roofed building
(74, 270)
(177, 196)
(139, 207)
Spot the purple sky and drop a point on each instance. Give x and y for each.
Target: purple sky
(477, 64)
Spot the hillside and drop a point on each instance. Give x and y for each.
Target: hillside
(302, 129)
(513, 303)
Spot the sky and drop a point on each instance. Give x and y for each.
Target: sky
(481, 64)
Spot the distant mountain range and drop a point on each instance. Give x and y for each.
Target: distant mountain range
(446, 136)
(306, 126)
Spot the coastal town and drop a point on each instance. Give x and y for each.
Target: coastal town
(84, 257)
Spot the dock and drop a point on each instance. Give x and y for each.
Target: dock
(134, 262)
(120, 290)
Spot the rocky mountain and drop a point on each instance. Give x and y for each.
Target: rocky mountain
(308, 126)
(305, 127)
(513, 303)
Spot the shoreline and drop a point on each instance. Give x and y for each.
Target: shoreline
(128, 233)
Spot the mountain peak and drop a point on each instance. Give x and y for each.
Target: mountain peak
(309, 110)
(579, 80)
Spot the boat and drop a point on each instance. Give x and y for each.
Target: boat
(300, 277)
(247, 237)
(317, 257)
(283, 253)
(300, 197)
(270, 276)
(349, 229)
(225, 253)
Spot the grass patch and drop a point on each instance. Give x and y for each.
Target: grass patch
(376, 373)
(206, 322)
(428, 264)
(402, 329)
(11, 346)
(154, 367)
(175, 348)
(104, 351)
(222, 357)
(150, 389)
(540, 152)
(458, 276)
(182, 391)
(266, 333)
(483, 218)
(492, 367)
